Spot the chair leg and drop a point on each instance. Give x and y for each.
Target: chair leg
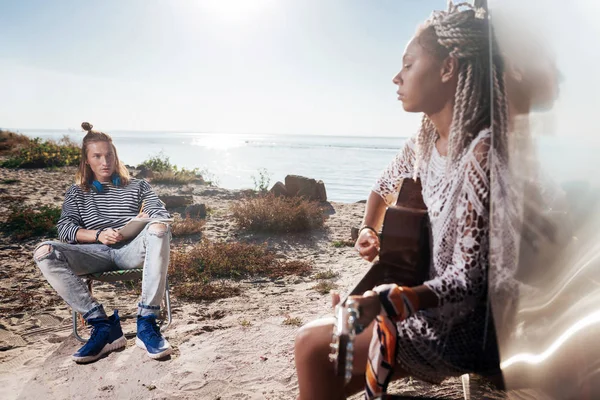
(75, 332)
(168, 304)
(466, 386)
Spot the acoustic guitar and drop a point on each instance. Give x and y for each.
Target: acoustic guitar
(404, 259)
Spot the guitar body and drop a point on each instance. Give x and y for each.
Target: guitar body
(405, 243)
(404, 259)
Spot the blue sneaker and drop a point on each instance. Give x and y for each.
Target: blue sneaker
(106, 336)
(150, 339)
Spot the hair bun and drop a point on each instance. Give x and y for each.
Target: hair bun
(87, 126)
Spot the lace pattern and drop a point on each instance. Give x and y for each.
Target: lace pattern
(432, 342)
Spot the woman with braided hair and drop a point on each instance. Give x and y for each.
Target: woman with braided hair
(441, 328)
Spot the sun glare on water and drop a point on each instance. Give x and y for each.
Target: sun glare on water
(218, 141)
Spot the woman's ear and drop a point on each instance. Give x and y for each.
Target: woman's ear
(449, 69)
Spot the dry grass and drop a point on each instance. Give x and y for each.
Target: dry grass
(342, 243)
(329, 274)
(195, 272)
(324, 287)
(187, 226)
(269, 213)
(292, 321)
(11, 141)
(195, 291)
(245, 323)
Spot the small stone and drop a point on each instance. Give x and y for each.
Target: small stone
(195, 211)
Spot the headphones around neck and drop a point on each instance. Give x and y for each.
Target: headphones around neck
(97, 186)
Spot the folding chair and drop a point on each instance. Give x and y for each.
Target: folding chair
(118, 276)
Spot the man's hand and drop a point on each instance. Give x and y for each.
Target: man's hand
(110, 236)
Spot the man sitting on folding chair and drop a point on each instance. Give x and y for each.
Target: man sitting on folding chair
(101, 202)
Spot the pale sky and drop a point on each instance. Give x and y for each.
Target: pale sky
(245, 66)
(242, 66)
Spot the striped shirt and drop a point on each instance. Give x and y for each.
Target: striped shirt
(111, 208)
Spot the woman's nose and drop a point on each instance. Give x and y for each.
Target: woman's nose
(397, 79)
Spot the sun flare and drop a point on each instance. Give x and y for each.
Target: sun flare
(236, 10)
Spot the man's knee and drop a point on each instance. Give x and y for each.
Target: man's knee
(158, 228)
(42, 252)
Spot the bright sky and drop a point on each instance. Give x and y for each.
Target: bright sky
(243, 66)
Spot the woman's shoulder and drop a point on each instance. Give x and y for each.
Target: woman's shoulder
(481, 145)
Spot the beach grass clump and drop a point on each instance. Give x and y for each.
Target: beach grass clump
(323, 275)
(209, 291)
(180, 177)
(166, 173)
(187, 226)
(342, 243)
(292, 321)
(40, 153)
(198, 274)
(269, 213)
(262, 181)
(324, 287)
(24, 222)
(12, 141)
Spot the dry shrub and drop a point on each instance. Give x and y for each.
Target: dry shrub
(270, 213)
(324, 287)
(329, 274)
(292, 321)
(206, 291)
(195, 272)
(11, 141)
(188, 226)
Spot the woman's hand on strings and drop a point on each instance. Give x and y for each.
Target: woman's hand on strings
(369, 307)
(367, 244)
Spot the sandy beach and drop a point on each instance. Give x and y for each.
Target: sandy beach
(233, 348)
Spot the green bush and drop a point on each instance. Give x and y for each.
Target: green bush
(25, 222)
(43, 154)
(270, 213)
(182, 177)
(261, 183)
(169, 174)
(158, 163)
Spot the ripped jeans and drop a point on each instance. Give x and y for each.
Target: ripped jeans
(62, 264)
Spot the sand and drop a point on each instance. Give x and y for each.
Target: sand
(234, 348)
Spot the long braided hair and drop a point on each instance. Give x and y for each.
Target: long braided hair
(463, 32)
